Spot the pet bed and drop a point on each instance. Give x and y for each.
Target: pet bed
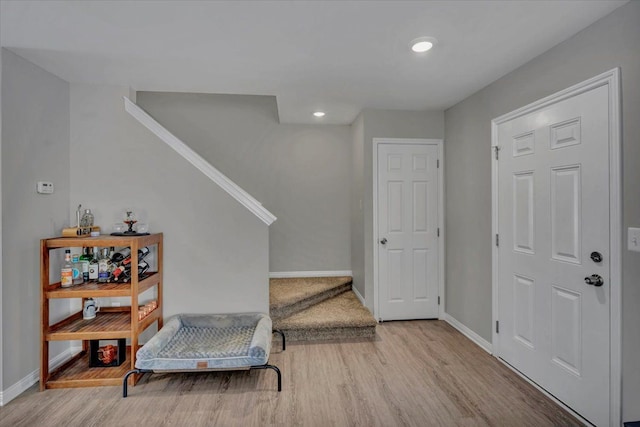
(201, 342)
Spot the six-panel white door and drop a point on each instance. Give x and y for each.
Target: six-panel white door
(407, 231)
(553, 214)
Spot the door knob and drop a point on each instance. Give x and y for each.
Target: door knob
(594, 280)
(383, 241)
(596, 257)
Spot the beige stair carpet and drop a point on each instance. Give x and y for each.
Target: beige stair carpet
(292, 295)
(342, 316)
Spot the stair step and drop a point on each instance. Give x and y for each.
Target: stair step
(291, 295)
(342, 316)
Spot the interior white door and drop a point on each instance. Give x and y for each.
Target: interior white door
(407, 231)
(553, 178)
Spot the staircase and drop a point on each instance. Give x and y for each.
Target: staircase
(318, 308)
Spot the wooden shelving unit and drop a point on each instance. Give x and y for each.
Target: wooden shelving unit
(110, 323)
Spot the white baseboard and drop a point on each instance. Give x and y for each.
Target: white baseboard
(484, 344)
(360, 297)
(288, 274)
(21, 386)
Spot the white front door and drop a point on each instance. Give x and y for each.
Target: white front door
(407, 231)
(553, 224)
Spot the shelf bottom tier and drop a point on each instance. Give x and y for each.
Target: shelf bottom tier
(77, 373)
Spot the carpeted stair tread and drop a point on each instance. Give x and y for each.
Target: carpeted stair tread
(342, 311)
(291, 295)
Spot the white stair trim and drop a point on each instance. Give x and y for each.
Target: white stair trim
(196, 160)
(357, 293)
(484, 344)
(287, 274)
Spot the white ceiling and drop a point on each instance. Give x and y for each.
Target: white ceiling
(338, 56)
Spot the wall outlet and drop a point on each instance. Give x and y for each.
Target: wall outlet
(634, 239)
(44, 187)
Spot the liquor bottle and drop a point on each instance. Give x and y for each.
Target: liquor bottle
(77, 270)
(66, 272)
(142, 252)
(117, 274)
(125, 276)
(93, 265)
(121, 255)
(104, 266)
(85, 259)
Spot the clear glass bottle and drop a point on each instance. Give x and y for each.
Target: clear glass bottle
(87, 219)
(93, 265)
(66, 272)
(77, 270)
(104, 266)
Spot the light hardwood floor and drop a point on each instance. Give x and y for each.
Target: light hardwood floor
(417, 373)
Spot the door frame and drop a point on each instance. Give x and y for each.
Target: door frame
(415, 141)
(610, 78)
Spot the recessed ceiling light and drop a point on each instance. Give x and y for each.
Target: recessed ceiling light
(422, 44)
(319, 114)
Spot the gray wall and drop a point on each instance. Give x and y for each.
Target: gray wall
(1, 330)
(387, 124)
(35, 146)
(611, 42)
(298, 172)
(215, 250)
(357, 207)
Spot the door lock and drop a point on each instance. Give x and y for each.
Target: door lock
(594, 280)
(383, 241)
(596, 257)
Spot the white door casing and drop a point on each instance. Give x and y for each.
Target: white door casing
(407, 208)
(556, 200)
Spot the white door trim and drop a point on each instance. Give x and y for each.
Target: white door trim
(612, 79)
(418, 141)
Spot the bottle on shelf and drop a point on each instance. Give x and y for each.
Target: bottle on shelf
(87, 219)
(104, 266)
(142, 252)
(116, 274)
(85, 259)
(121, 255)
(93, 265)
(66, 272)
(125, 276)
(77, 270)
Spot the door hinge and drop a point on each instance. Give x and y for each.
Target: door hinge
(438, 300)
(438, 163)
(497, 326)
(497, 240)
(438, 231)
(497, 149)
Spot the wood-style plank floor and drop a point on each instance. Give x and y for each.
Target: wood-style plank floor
(417, 373)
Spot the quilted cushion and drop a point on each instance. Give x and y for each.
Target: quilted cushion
(199, 341)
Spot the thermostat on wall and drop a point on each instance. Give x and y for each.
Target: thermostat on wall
(45, 187)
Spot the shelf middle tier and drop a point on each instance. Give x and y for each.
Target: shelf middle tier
(106, 325)
(94, 289)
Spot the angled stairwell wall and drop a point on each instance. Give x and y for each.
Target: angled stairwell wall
(216, 256)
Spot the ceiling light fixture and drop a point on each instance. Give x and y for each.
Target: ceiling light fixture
(422, 44)
(319, 114)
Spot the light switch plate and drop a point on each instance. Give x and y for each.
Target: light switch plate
(634, 239)
(44, 187)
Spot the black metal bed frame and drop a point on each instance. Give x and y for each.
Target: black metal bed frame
(265, 366)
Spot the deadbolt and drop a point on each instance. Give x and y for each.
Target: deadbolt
(383, 241)
(594, 280)
(596, 256)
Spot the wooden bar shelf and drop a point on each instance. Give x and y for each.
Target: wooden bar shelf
(110, 323)
(77, 373)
